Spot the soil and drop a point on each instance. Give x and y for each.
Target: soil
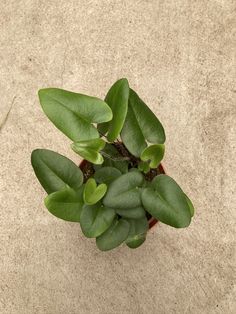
(87, 169)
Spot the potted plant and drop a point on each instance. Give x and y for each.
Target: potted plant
(120, 189)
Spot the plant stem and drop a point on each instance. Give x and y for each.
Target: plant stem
(102, 134)
(114, 158)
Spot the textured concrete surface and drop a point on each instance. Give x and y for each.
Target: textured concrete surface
(180, 57)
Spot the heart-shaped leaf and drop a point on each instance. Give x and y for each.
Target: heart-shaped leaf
(89, 150)
(135, 213)
(124, 192)
(143, 166)
(106, 175)
(66, 203)
(55, 171)
(190, 204)
(92, 192)
(137, 232)
(141, 126)
(96, 219)
(74, 114)
(114, 235)
(117, 98)
(154, 154)
(166, 202)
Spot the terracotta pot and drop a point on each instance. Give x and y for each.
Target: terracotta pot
(152, 221)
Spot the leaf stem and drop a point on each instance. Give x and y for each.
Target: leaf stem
(114, 158)
(102, 134)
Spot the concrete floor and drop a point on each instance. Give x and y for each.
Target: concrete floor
(180, 57)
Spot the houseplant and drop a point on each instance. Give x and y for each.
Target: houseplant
(121, 185)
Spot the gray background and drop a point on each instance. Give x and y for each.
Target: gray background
(180, 57)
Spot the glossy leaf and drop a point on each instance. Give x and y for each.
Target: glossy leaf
(89, 150)
(106, 175)
(154, 154)
(166, 202)
(135, 213)
(115, 235)
(65, 204)
(92, 192)
(55, 171)
(141, 126)
(96, 219)
(190, 204)
(124, 192)
(117, 98)
(74, 114)
(132, 135)
(137, 232)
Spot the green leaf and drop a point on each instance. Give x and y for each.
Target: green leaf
(114, 235)
(135, 213)
(92, 192)
(166, 202)
(137, 241)
(190, 204)
(106, 175)
(117, 98)
(134, 170)
(89, 150)
(65, 204)
(154, 153)
(102, 128)
(132, 135)
(96, 219)
(74, 114)
(54, 171)
(124, 192)
(112, 158)
(137, 232)
(141, 126)
(143, 166)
